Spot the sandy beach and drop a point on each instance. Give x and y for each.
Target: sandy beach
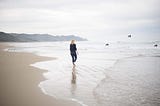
(19, 81)
(102, 77)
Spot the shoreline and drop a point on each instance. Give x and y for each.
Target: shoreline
(19, 81)
(127, 76)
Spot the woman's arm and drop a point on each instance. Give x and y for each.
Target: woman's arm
(76, 50)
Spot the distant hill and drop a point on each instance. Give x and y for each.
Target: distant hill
(15, 37)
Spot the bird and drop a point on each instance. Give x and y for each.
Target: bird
(129, 36)
(107, 44)
(155, 45)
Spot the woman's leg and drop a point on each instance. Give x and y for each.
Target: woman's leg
(75, 57)
(72, 58)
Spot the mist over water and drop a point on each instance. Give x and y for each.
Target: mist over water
(103, 75)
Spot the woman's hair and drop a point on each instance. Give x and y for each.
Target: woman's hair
(72, 41)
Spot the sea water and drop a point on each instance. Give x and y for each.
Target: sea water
(92, 81)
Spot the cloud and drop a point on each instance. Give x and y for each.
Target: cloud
(94, 19)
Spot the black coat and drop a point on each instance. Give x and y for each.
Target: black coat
(73, 48)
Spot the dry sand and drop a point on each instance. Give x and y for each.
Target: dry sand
(19, 81)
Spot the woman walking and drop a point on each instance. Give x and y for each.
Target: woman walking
(73, 51)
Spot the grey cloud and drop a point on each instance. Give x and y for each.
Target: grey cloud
(91, 18)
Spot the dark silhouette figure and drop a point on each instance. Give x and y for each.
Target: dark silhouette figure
(73, 51)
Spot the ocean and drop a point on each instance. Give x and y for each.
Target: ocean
(120, 74)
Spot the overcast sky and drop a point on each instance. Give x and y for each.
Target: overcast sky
(93, 19)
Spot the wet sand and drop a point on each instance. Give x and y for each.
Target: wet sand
(19, 81)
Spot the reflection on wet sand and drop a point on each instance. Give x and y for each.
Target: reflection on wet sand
(73, 80)
(73, 75)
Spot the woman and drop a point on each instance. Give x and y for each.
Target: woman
(73, 51)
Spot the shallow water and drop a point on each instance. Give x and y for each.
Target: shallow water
(132, 82)
(103, 75)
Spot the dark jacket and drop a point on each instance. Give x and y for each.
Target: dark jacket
(73, 48)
